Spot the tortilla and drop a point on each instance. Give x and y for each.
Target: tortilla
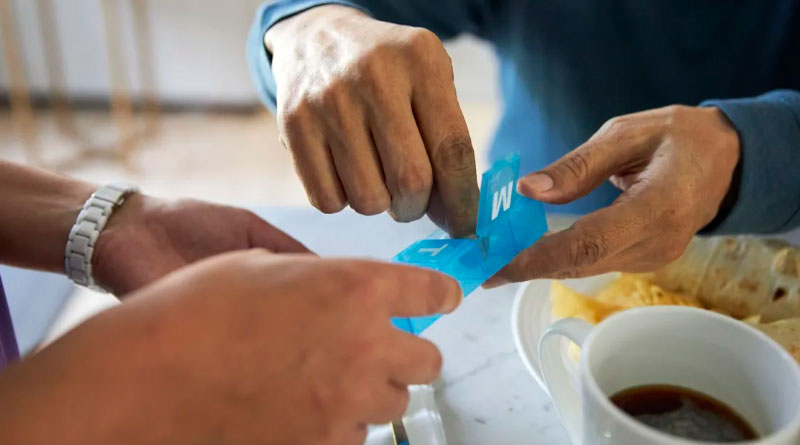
(742, 276)
(785, 332)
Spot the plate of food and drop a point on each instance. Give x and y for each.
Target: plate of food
(751, 279)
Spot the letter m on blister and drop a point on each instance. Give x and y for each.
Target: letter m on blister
(507, 224)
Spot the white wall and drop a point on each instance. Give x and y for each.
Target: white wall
(199, 50)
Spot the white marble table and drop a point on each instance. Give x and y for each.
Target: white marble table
(485, 395)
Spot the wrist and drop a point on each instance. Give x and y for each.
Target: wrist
(730, 163)
(91, 222)
(128, 222)
(300, 25)
(728, 136)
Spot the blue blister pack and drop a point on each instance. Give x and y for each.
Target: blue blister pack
(508, 223)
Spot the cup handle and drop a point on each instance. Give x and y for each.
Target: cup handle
(566, 397)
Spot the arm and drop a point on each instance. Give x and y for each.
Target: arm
(369, 109)
(768, 193)
(726, 166)
(37, 210)
(447, 18)
(211, 353)
(143, 240)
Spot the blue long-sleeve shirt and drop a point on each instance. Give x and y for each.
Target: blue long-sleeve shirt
(568, 66)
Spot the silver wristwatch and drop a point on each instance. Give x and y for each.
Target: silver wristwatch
(83, 236)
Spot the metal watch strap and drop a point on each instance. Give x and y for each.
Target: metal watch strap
(91, 221)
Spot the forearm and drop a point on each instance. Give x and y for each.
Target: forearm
(37, 211)
(86, 388)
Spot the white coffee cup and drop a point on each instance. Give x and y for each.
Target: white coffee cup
(670, 345)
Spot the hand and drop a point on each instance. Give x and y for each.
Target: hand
(674, 166)
(148, 238)
(369, 112)
(246, 347)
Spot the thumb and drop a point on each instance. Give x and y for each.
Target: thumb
(267, 236)
(574, 175)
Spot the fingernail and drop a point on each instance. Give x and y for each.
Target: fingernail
(538, 182)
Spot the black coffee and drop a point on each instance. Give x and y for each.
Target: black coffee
(684, 413)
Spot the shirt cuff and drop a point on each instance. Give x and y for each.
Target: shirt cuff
(258, 57)
(769, 134)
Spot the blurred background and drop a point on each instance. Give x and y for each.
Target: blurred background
(157, 93)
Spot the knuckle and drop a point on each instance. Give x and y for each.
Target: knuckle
(673, 251)
(575, 166)
(674, 217)
(455, 154)
(324, 397)
(372, 66)
(364, 287)
(427, 50)
(436, 361)
(335, 97)
(587, 250)
(325, 202)
(675, 114)
(400, 403)
(424, 40)
(613, 124)
(294, 116)
(415, 180)
(371, 203)
(324, 199)
(434, 300)
(365, 352)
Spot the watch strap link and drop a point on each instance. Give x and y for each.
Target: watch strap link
(90, 222)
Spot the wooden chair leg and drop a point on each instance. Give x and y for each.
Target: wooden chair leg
(121, 103)
(146, 61)
(22, 112)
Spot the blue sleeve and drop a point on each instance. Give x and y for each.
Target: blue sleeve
(447, 18)
(768, 195)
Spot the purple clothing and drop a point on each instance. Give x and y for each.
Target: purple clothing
(9, 352)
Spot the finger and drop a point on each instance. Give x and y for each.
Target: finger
(436, 208)
(388, 402)
(352, 435)
(629, 261)
(312, 162)
(355, 157)
(410, 291)
(406, 167)
(449, 147)
(594, 240)
(267, 236)
(413, 360)
(423, 292)
(585, 168)
(635, 259)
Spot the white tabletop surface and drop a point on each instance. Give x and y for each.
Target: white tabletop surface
(485, 395)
